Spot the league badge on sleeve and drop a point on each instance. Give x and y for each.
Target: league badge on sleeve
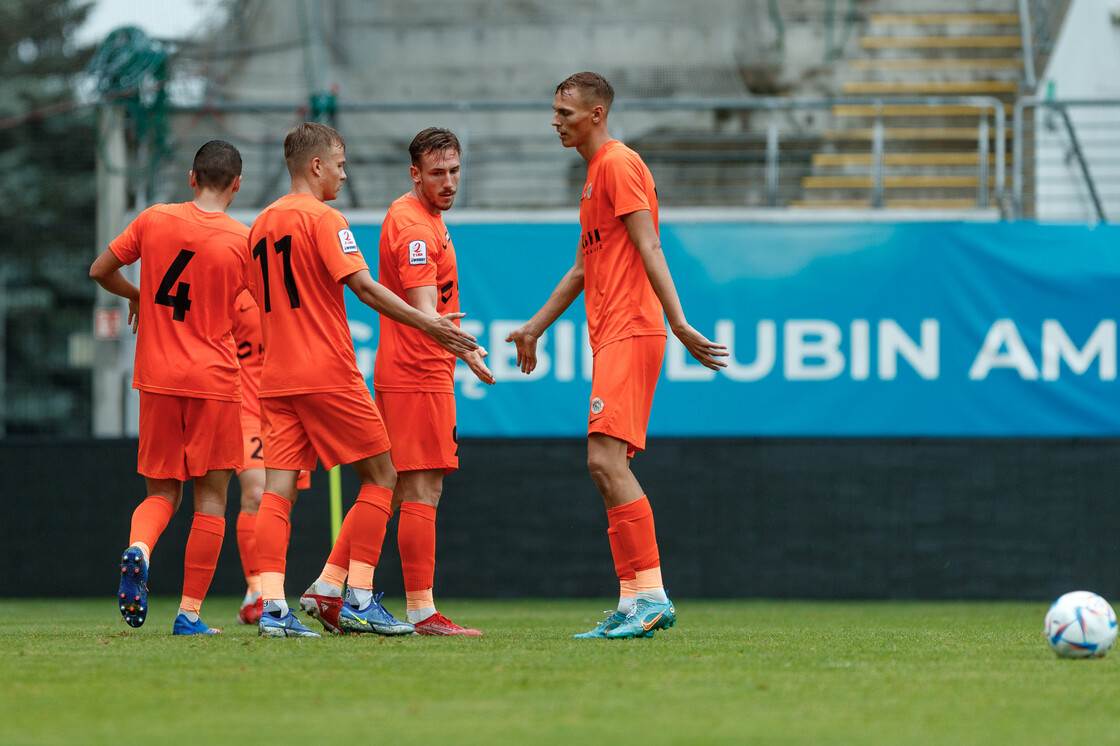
(417, 253)
(346, 238)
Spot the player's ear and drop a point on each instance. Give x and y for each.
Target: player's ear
(237, 184)
(194, 181)
(415, 173)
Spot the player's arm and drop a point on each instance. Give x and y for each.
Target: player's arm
(106, 271)
(642, 232)
(440, 328)
(525, 337)
(424, 300)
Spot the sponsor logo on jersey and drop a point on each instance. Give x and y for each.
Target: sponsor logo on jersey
(346, 238)
(587, 191)
(417, 253)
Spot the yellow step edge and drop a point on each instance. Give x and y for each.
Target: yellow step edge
(929, 19)
(910, 63)
(948, 203)
(909, 133)
(932, 87)
(893, 182)
(899, 110)
(963, 42)
(902, 159)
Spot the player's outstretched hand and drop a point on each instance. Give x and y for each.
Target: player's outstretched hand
(526, 345)
(477, 366)
(450, 337)
(701, 348)
(134, 314)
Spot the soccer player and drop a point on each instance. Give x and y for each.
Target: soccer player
(314, 401)
(194, 264)
(414, 380)
(627, 287)
(250, 354)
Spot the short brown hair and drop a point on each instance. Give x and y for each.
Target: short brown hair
(593, 87)
(309, 140)
(432, 139)
(216, 165)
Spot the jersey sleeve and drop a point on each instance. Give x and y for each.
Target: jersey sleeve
(417, 250)
(338, 247)
(126, 246)
(626, 183)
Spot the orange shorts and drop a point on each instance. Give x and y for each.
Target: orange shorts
(422, 428)
(623, 379)
(183, 437)
(336, 427)
(254, 447)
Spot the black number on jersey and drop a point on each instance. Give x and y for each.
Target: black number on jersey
(283, 247)
(181, 301)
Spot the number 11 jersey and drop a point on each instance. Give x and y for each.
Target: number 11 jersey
(302, 250)
(193, 266)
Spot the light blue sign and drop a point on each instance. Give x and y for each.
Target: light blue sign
(936, 329)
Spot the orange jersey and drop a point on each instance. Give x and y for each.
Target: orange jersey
(250, 351)
(620, 300)
(415, 251)
(302, 250)
(194, 265)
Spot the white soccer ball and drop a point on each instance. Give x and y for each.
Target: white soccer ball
(1081, 624)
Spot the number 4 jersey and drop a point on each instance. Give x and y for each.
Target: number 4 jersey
(302, 250)
(194, 264)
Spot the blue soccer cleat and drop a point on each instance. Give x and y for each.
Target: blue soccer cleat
(285, 626)
(373, 618)
(184, 626)
(645, 618)
(614, 618)
(132, 596)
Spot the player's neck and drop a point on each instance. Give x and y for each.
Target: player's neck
(432, 209)
(595, 141)
(304, 186)
(208, 200)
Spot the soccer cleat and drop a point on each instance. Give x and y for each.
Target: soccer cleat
(132, 596)
(437, 624)
(373, 618)
(251, 613)
(644, 618)
(323, 608)
(184, 626)
(614, 618)
(285, 626)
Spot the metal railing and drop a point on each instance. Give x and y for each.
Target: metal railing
(1088, 140)
(723, 152)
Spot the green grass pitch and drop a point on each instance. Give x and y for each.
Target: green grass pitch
(750, 672)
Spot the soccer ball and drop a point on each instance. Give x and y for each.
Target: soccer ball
(1080, 624)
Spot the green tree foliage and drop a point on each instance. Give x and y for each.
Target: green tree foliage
(47, 217)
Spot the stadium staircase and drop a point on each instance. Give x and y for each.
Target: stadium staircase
(930, 154)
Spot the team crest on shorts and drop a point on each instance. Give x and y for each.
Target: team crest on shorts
(596, 405)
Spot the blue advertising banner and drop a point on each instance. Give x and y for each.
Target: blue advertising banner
(914, 329)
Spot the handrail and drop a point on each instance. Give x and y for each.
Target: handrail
(1026, 32)
(773, 104)
(1062, 107)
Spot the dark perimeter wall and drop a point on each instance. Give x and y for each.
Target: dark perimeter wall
(789, 518)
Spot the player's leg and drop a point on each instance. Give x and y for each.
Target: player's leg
(362, 611)
(160, 458)
(419, 492)
(204, 545)
(252, 489)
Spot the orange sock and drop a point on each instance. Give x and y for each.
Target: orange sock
(149, 520)
(368, 517)
(204, 544)
(622, 567)
(247, 546)
(339, 558)
(638, 535)
(273, 529)
(416, 540)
